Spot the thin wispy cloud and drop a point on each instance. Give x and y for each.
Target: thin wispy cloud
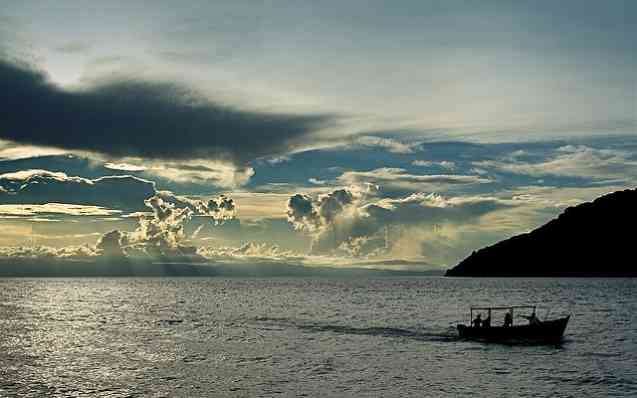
(55, 208)
(398, 179)
(44, 186)
(571, 161)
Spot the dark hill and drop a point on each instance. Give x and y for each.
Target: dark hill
(592, 239)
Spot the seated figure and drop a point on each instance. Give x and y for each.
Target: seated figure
(508, 320)
(478, 321)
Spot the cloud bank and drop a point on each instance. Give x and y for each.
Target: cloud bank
(358, 224)
(161, 233)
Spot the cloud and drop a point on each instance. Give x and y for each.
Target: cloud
(124, 167)
(164, 228)
(162, 232)
(398, 179)
(202, 172)
(219, 209)
(36, 186)
(445, 164)
(13, 151)
(302, 213)
(154, 120)
(278, 159)
(110, 244)
(390, 144)
(27, 210)
(570, 161)
(359, 224)
(249, 251)
(316, 181)
(306, 213)
(46, 252)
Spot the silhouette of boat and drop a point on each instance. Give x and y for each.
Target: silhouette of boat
(534, 331)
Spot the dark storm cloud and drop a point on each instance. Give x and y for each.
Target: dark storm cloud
(141, 118)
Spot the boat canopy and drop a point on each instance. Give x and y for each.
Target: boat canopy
(511, 307)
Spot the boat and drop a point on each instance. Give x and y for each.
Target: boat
(532, 331)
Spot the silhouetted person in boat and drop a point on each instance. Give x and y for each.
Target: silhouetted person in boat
(478, 321)
(508, 320)
(487, 322)
(533, 320)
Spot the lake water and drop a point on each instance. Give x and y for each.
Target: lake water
(307, 337)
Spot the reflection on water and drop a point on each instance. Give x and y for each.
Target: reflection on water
(296, 337)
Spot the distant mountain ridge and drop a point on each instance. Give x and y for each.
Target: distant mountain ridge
(591, 239)
(125, 267)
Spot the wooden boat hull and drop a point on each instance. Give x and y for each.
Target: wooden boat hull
(546, 331)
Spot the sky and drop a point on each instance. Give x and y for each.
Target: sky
(362, 133)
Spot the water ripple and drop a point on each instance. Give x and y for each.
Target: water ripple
(298, 337)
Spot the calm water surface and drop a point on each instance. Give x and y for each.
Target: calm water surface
(307, 337)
